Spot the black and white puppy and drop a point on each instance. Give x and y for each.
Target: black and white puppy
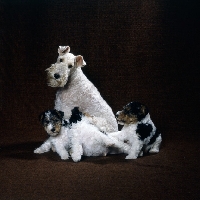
(78, 136)
(138, 131)
(56, 127)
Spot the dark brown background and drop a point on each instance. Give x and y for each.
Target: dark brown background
(135, 50)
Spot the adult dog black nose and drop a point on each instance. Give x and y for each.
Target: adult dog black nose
(53, 129)
(56, 76)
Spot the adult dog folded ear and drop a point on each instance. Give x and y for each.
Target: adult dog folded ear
(63, 50)
(79, 61)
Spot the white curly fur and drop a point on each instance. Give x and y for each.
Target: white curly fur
(87, 140)
(77, 90)
(57, 143)
(81, 139)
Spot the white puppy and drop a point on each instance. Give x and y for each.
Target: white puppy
(54, 126)
(78, 136)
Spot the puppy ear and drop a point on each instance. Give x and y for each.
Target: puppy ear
(60, 113)
(41, 117)
(79, 62)
(144, 110)
(63, 50)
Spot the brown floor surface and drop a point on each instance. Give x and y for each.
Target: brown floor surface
(135, 50)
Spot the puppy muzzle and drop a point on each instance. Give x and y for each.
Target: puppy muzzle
(51, 130)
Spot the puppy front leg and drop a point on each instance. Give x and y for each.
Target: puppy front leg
(108, 141)
(119, 144)
(156, 146)
(120, 139)
(45, 147)
(61, 150)
(76, 149)
(134, 150)
(119, 135)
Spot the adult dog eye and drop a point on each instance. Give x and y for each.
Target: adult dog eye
(70, 66)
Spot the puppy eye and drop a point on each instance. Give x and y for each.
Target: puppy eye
(70, 66)
(61, 60)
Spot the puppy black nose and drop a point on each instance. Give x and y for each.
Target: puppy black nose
(53, 129)
(56, 76)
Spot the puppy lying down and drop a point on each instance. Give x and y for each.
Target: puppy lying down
(76, 137)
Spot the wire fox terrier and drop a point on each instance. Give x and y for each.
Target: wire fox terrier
(77, 136)
(52, 123)
(138, 131)
(76, 90)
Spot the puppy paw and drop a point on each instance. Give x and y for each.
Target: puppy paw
(76, 158)
(64, 157)
(38, 150)
(130, 157)
(154, 151)
(109, 142)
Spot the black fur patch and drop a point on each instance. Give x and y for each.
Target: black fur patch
(144, 130)
(153, 139)
(58, 114)
(55, 115)
(76, 116)
(138, 109)
(65, 123)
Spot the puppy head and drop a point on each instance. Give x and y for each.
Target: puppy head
(132, 113)
(76, 116)
(52, 121)
(58, 73)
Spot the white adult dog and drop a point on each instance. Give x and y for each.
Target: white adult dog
(77, 91)
(77, 137)
(139, 131)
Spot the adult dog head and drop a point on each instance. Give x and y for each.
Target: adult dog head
(58, 74)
